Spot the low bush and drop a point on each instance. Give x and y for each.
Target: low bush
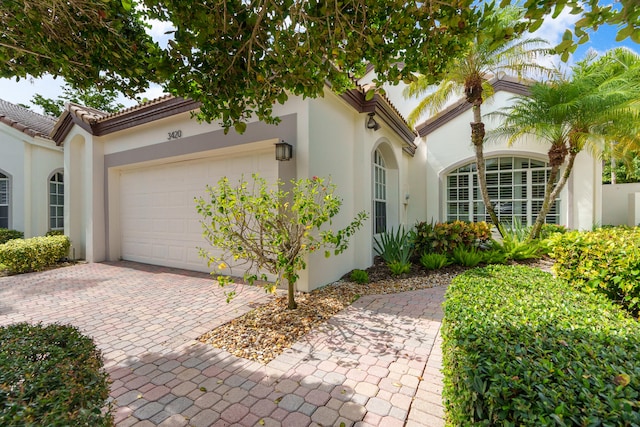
(433, 261)
(6, 235)
(37, 253)
(51, 376)
(399, 267)
(55, 233)
(359, 276)
(466, 256)
(444, 237)
(524, 349)
(605, 261)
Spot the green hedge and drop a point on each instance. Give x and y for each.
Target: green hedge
(6, 235)
(605, 261)
(444, 237)
(524, 349)
(37, 253)
(51, 376)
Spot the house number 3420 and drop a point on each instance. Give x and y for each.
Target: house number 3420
(174, 134)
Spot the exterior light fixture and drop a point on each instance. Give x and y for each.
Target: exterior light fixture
(284, 151)
(372, 123)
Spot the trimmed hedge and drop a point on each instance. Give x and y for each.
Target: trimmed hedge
(37, 253)
(524, 349)
(605, 261)
(51, 376)
(6, 235)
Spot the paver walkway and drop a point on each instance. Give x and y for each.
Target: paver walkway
(375, 363)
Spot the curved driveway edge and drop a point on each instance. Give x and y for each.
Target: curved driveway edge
(375, 363)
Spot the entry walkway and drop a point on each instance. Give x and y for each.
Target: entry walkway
(375, 363)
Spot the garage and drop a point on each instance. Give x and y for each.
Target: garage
(158, 219)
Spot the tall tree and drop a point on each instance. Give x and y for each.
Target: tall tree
(485, 58)
(597, 105)
(103, 100)
(240, 57)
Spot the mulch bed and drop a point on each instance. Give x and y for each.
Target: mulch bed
(265, 332)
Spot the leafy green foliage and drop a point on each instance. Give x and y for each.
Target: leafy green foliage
(444, 237)
(359, 276)
(398, 268)
(522, 348)
(103, 100)
(494, 256)
(55, 233)
(605, 261)
(34, 254)
(88, 43)
(51, 376)
(6, 235)
(434, 261)
(395, 246)
(516, 243)
(259, 227)
(466, 256)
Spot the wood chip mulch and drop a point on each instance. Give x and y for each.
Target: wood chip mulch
(265, 332)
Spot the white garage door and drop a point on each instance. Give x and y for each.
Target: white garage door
(158, 219)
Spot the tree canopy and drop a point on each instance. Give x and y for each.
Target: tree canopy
(103, 100)
(239, 57)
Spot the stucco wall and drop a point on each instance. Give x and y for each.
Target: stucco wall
(615, 204)
(29, 161)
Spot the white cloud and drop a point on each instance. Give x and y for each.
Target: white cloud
(158, 31)
(552, 31)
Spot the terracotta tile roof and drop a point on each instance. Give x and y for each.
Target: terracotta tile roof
(29, 122)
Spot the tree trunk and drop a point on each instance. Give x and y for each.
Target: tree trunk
(291, 285)
(477, 138)
(613, 170)
(551, 193)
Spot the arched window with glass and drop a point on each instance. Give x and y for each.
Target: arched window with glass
(516, 187)
(379, 193)
(56, 201)
(5, 189)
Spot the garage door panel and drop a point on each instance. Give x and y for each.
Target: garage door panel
(158, 219)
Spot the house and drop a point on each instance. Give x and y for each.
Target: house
(31, 172)
(133, 175)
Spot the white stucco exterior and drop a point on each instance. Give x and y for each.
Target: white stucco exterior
(131, 190)
(29, 162)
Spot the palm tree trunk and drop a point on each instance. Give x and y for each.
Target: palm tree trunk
(477, 138)
(551, 193)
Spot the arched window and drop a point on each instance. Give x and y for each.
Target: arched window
(516, 188)
(379, 193)
(4, 200)
(56, 201)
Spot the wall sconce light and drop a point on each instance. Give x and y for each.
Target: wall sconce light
(372, 123)
(284, 151)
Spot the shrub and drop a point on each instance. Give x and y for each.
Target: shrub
(550, 229)
(434, 261)
(516, 243)
(55, 233)
(605, 261)
(395, 246)
(444, 237)
(467, 257)
(523, 349)
(493, 256)
(399, 267)
(359, 276)
(6, 235)
(51, 376)
(37, 253)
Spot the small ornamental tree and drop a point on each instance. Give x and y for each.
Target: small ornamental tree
(263, 228)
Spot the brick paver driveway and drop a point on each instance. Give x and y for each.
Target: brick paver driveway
(376, 363)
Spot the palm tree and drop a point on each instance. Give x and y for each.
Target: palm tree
(597, 106)
(485, 59)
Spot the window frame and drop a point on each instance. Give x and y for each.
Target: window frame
(511, 190)
(58, 194)
(6, 178)
(380, 180)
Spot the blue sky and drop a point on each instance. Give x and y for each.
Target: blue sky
(551, 30)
